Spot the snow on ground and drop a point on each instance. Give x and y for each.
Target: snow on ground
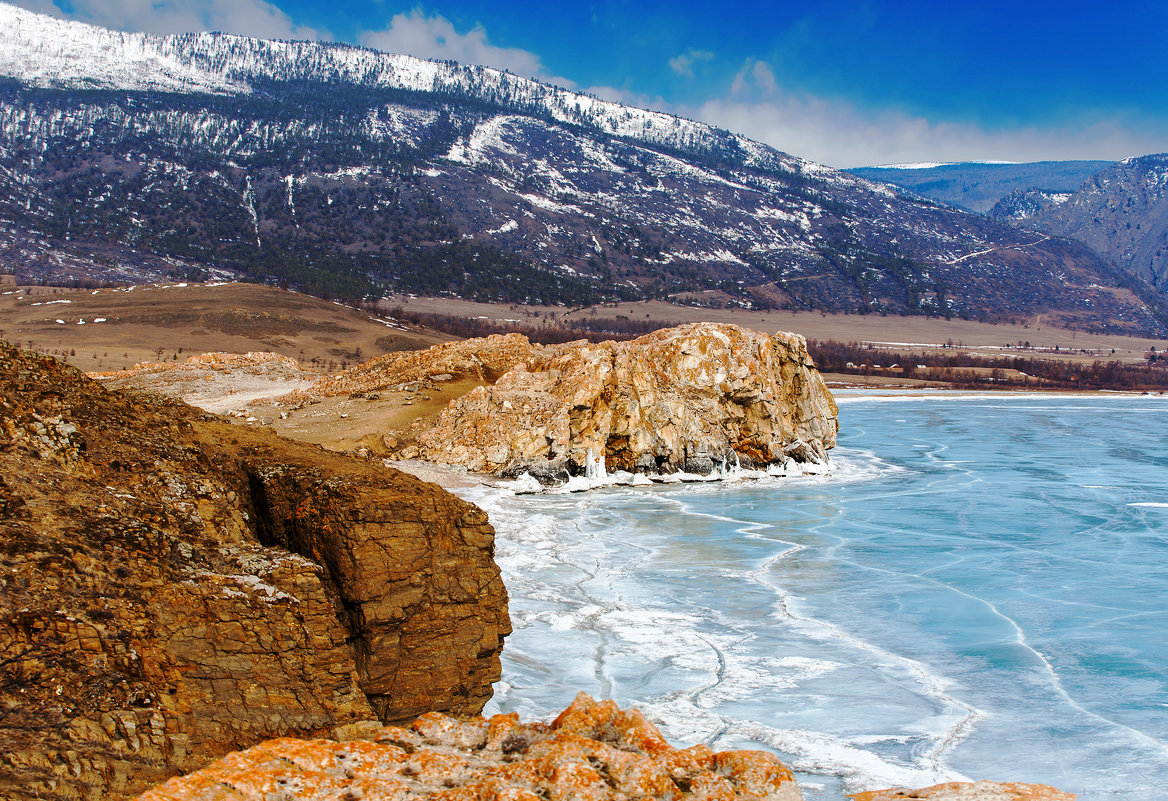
(915, 165)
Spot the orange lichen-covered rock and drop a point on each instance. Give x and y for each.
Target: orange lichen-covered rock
(971, 791)
(591, 752)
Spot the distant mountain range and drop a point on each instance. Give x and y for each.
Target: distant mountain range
(1121, 212)
(977, 186)
(348, 172)
(1118, 209)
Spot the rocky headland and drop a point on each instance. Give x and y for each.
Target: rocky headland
(689, 399)
(175, 587)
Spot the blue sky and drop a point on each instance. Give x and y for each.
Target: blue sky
(846, 83)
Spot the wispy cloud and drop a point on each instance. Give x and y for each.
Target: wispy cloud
(755, 76)
(683, 63)
(837, 133)
(416, 34)
(245, 17)
(842, 134)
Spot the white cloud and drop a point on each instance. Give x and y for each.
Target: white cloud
(246, 17)
(683, 64)
(755, 76)
(841, 134)
(415, 34)
(836, 133)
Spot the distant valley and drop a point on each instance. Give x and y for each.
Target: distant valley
(1118, 209)
(979, 186)
(1121, 212)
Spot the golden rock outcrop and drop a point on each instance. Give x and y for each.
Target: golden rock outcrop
(682, 399)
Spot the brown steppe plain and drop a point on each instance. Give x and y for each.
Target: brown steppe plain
(168, 322)
(891, 332)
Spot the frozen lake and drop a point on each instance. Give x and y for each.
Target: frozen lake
(979, 591)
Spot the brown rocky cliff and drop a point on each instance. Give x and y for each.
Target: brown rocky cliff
(175, 588)
(423, 608)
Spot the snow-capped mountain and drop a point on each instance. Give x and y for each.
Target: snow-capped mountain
(348, 171)
(46, 52)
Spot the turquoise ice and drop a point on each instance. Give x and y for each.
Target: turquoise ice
(980, 590)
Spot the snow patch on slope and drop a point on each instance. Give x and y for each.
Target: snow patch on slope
(44, 51)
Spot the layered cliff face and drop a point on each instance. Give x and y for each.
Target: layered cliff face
(680, 399)
(684, 398)
(175, 588)
(592, 751)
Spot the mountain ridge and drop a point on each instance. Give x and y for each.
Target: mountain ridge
(222, 63)
(978, 185)
(350, 173)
